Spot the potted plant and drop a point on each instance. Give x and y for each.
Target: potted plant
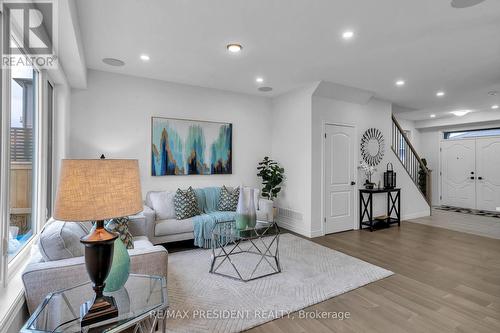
(369, 171)
(272, 175)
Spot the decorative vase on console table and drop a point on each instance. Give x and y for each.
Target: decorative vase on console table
(246, 216)
(96, 190)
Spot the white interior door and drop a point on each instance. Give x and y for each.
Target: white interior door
(488, 173)
(458, 159)
(339, 178)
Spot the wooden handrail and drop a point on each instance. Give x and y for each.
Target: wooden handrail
(411, 161)
(409, 144)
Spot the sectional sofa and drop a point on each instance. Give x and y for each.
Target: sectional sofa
(163, 227)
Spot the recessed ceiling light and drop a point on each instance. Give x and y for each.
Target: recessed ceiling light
(264, 89)
(493, 93)
(460, 113)
(234, 48)
(113, 62)
(144, 57)
(400, 83)
(433, 116)
(348, 34)
(494, 107)
(259, 79)
(440, 93)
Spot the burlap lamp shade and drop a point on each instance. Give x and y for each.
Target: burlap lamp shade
(92, 190)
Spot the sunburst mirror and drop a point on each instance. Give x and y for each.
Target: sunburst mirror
(372, 146)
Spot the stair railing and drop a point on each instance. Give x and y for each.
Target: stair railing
(413, 164)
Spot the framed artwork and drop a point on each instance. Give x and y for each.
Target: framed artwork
(190, 147)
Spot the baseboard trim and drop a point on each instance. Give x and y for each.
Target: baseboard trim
(292, 226)
(416, 215)
(317, 233)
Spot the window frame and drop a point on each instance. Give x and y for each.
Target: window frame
(447, 133)
(39, 164)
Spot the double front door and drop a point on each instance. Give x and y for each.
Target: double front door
(470, 173)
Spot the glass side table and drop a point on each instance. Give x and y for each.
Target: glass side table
(245, 254)
(142, 303)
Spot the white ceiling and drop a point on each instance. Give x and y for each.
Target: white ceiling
(293, 42)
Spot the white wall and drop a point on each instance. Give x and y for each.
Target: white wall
(298, 128)
(113, 116)
(375, 113)
(291, 140)
(62, 104)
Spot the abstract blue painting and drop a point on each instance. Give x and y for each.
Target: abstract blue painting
(190, 147)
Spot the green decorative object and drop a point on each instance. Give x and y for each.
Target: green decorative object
(120, 267)
(245, 212)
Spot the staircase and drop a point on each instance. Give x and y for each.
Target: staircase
(413, 164)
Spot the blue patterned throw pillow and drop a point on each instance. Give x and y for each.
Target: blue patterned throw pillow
(185, 204)
(120, 225)
(228, 201)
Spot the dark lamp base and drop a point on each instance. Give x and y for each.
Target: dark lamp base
(102, 309)
(98, 258)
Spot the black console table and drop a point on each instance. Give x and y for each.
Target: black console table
(366, 207)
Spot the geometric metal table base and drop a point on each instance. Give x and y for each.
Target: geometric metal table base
(142, 307)
(261, 241)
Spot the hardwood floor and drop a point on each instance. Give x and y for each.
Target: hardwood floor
(444, 281)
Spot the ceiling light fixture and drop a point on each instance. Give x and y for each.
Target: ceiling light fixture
(400, 83)
(144, 57)
(460, 113)
(465, 3)
(265, 89)
(113, 62)
(259, 80)
(234, 48)
(348, 34)
(494, 107)
(440, 93)
(493, 93)
(433, 116)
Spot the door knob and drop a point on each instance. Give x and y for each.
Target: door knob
(353, 183)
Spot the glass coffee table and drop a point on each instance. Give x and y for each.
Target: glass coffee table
(246, 254)
(142, 305)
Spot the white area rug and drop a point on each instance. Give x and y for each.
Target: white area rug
(311, 273)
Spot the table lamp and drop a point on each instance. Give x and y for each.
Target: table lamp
(97, 190)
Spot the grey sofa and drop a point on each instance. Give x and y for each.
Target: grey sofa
(42, 277)
(163, 227)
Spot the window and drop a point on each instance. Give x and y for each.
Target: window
(26, 161)
(23, 106)
(472, 133)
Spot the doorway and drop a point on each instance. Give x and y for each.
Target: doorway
(339, 175)
(469, 173)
